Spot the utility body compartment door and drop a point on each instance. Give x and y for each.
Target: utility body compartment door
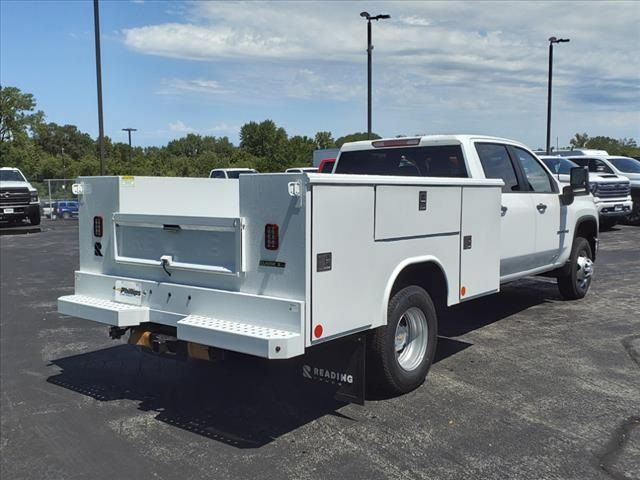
(415, 211)
(480, 242)
(343, 293)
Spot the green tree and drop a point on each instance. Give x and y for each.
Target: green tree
(299, 152)
(624, 146)
(190, 146)
(17, 114)
(63, 140)
(356, 137)
(324, 140)
(579, 140)
(264, 139)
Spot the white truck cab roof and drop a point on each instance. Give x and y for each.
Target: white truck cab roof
(424, 140)
(230, 172)
(301, 170)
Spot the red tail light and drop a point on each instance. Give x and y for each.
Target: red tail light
(271, 236)
(97, 226)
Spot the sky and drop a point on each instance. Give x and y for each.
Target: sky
(171, 68)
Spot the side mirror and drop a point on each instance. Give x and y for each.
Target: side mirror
(578, 185)
(567, 196)
(579, 180)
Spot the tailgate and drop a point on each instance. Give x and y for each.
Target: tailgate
(207, 244)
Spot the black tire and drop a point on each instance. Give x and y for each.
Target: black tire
(384, 370)
(575, 283)
(35, 218)
(607, 223)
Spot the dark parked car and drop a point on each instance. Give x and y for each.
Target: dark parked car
(67, 209)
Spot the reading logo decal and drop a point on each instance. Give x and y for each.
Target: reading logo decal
(325, 375)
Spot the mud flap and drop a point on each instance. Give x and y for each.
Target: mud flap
(336, 367)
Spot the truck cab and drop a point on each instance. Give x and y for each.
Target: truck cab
(536, 228)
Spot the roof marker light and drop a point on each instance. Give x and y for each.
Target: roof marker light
(399, 142)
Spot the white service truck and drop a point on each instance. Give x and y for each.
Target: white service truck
(274, 265)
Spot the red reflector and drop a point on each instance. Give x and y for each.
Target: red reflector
(97, 226)
(318, 331)
(271, 236)
(399, 142)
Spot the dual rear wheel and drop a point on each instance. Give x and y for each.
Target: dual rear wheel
(400, 353)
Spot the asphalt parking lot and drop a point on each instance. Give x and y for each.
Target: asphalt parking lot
(526, 386)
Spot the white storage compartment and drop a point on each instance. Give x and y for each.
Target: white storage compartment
(194, 243)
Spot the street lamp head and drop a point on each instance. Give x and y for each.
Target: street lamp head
(381, 17)
(365, 15)
(558, 40)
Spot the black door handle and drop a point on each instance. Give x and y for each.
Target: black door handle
(503, 211)
(541, 207)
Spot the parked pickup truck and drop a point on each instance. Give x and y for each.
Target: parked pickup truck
(622, 167)
(18, 198)
(277, 265)
(611, 192)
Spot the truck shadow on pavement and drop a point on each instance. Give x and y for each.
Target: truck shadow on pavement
(243, 401)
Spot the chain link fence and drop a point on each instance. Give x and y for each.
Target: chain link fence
(56, 198)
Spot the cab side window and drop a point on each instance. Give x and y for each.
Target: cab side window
(536, 175)
(496, 163)
(601, 167)
(218, 175)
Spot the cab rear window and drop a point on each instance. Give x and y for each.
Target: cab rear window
(431, 161)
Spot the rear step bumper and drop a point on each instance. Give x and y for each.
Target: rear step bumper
(253, 324)
(240, 337)
(103, 311)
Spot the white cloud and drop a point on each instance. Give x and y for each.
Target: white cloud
(180, 127)
(449, 60)
(175, 86)
(415, 21)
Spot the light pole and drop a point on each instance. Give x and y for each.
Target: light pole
(129, 130)
(552, 40)
(369, 51)
(96, 25)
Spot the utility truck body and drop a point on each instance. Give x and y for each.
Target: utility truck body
(273, 264)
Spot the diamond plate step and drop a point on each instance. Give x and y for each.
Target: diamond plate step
(247, 338)
(103, 311)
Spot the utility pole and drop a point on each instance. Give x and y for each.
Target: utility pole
(129, 130)
(368, 17)
(96, 21)
(552, 40)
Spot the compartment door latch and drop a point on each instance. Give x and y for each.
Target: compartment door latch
(295, 191)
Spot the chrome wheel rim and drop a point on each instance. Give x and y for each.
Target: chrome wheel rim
(584, 271)
(411, 338)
